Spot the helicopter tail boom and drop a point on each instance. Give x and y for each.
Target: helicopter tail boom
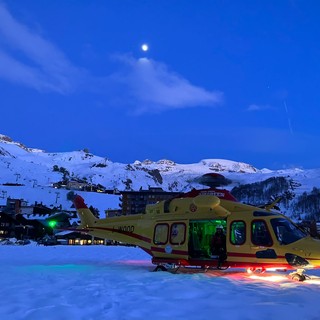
(86, 216)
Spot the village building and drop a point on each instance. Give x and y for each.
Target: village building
(133, 202)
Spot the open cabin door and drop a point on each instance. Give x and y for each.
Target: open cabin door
(201, 233)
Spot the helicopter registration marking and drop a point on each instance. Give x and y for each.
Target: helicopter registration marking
(125, 228)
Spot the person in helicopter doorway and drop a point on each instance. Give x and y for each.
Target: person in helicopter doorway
(218, 245)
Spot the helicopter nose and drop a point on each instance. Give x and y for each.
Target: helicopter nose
(314, 256)
(305, 254)
(315, 259)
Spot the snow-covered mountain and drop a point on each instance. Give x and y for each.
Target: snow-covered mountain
(36, 171)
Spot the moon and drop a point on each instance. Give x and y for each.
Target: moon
(145, 47)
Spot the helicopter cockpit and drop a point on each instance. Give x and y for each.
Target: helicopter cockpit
(286, 232)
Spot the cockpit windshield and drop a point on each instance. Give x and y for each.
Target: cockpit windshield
(286, 232)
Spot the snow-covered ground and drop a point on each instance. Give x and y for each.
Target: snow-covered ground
(99, 282)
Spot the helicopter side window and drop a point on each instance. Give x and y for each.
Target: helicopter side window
(238, 232)
(161, 232)
(260, 234)
(178, 233)
(285, 231)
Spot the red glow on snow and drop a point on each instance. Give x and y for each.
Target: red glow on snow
(134, 262)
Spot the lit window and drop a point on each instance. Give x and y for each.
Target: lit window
(238, 232)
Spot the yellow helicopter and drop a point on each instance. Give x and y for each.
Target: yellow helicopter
(178, 233)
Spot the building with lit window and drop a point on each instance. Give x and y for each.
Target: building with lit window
(133, 202)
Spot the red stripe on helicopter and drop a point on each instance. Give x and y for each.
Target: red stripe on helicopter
(246, 255)
(162, 250)
(81, 230)
(242, 255)
(312, 258)
(127, 233)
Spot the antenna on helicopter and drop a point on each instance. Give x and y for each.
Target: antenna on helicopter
(272, 205)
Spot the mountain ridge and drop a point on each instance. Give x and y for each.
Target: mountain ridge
(36, 169)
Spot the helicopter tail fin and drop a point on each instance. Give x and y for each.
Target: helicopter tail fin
(86, 216)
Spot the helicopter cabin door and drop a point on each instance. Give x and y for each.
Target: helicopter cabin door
(249, 240)
(170, 240)
(201, 233)
(261, 240)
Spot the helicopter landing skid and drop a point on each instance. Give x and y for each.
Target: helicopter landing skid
(299, 275)
(174, 268)
(171, 267)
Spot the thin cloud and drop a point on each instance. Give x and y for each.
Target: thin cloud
(27, 58)
(43, 66)
(258, 107)
(154, 88)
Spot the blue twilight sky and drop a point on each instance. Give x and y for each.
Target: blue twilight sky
(236, 80)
